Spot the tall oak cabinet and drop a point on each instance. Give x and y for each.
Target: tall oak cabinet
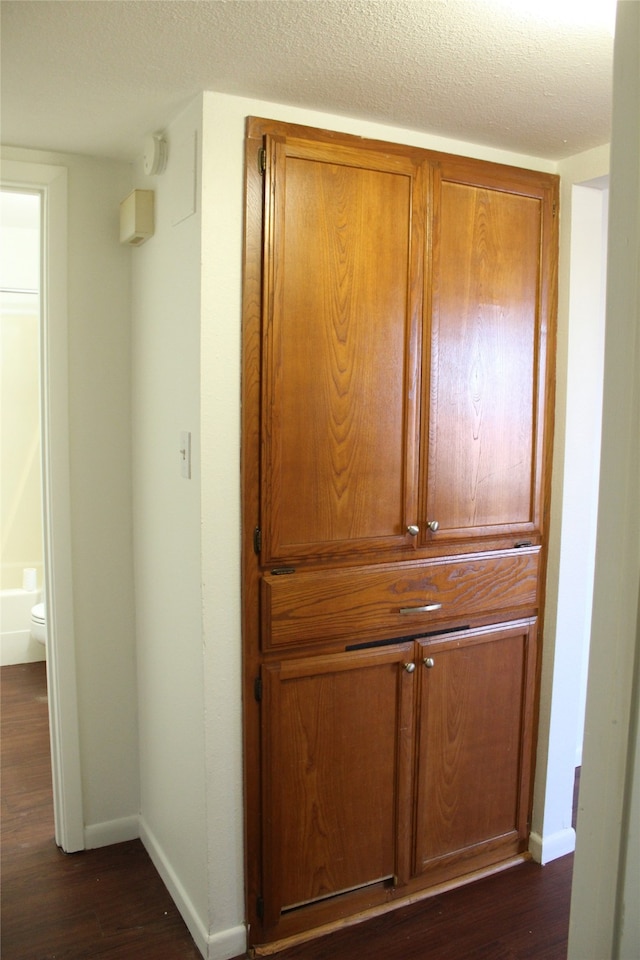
(399, 316)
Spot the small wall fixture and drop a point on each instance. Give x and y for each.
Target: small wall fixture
(136, 217)
(154, 159)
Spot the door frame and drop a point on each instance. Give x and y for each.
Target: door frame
(51, 183)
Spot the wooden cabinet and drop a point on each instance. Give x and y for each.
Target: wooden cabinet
(337, 768)
(379, 601)
(474, 741)
(484, 414)
(342, 308)
(397, 403)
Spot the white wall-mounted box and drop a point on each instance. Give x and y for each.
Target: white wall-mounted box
(136, 217)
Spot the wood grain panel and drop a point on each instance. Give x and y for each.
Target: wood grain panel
(250, 473)
(342, 342)
(474, 741)
(366, 602)
(487, 374)
(336, 773)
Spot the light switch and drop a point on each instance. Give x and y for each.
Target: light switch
(185, 454)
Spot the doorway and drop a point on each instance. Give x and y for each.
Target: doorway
(21, 575)
(50, 183)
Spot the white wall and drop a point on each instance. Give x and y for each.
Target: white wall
(604, 920)
(100, 463)
(166, 400)
(588, 278)
(99, 468)
(573, 501)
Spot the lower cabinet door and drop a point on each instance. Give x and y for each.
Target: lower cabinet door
(474, 747)
(336, 777)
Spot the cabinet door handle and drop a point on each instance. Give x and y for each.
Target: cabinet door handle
(413, 529)
(429, 662)
(409, 667)
(433, 525)
(427, 608)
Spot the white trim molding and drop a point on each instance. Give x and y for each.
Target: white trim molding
(112, 831)
(51, 182)
(222, 945)
(548, 848)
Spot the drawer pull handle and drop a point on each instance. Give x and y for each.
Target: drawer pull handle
(427, 608)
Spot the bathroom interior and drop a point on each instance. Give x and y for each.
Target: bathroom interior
(22, 601)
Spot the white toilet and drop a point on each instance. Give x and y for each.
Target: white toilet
(39, 623)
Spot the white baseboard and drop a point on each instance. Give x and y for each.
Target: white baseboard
(227, 944)
(559, 844)
(213, 946)
(112, 831)
(197, 928)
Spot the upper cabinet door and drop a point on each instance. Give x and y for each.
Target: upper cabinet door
(492, 297)
(342, 312)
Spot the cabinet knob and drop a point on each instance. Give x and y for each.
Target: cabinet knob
(413, 529)
(433, 525)
(429, 662)
(409, 667)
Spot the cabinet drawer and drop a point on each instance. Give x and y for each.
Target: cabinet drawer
(393, 600)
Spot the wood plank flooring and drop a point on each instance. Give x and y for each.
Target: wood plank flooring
(520, 914)
(110, 903)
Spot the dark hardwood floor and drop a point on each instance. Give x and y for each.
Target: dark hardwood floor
(108, 903)
(111, 904)
(520, 914)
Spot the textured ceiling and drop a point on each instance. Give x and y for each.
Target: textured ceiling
(94, 76)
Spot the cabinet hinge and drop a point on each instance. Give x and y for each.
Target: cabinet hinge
(554, 209)
(262, 160)
(257, 540)
(260, 908)
(257, 688)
